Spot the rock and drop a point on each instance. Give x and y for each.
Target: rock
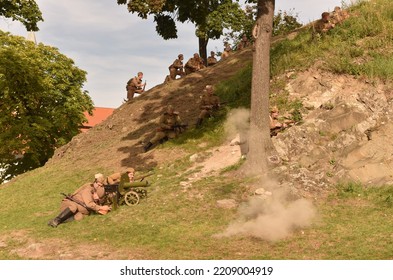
(227, 203)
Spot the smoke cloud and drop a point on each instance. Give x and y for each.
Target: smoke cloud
(271, 219)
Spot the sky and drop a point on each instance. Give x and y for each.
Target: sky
(112, 45)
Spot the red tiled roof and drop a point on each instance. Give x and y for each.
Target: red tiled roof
(99, 115)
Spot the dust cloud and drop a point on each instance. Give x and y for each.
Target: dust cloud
(237, 126)
(270, 215)
(271, 218)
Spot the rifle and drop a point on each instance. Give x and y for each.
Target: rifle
(144, 86)
(180, 127)
(77, 202)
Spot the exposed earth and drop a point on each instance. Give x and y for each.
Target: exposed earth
(344, 136)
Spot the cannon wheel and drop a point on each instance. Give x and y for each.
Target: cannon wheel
(131, 198)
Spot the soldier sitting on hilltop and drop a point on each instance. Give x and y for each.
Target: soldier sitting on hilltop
(211, 60)
(194, 64)
(323, 25)
(338, 15)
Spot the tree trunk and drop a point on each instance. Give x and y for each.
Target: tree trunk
(259, 141)
(203, 49)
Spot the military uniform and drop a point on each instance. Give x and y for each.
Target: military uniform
(324, 24)
(83, 201)
(194, 64)
(167, 121)
(244, 43)
(84, 195)
(134, 85)
(176, 68)
(211, 60)
(166, 129)
(209, 103)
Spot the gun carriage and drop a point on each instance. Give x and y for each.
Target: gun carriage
(129, 193)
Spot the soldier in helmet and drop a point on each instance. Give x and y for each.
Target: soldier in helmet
(82, 202)
(135, 85)
(323, 25)
(194, 64)
(211, 60)
(176, 68)
(209, 103)
(168, 127)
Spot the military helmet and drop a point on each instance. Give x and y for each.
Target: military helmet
(180, 55)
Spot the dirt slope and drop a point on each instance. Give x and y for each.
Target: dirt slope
(345, 134)
(118, 139)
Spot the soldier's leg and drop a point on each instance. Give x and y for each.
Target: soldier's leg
(159, 135)
(130, 94)
(172, 73)
(201, 116)
(61, 218)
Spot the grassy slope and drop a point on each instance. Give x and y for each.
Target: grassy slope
(179, 223)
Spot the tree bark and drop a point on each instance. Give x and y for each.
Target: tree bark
(203, 49)
(259, 141)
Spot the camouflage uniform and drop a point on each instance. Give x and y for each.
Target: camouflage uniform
(176, 68)
(209, 103)
(166, 130)
(134, 85)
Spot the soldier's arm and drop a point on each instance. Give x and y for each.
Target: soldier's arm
(163, 124)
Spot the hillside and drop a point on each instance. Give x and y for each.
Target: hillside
(330, 189)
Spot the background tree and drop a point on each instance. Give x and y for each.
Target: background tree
(210, 17)
(260, 143)
(283, 23)
(41, 103)
(25, 11)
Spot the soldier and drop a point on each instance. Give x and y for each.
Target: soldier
(323, 25)
(194, 64)
(211, 60)
(135, 85)
(176, 68)
(209, 103)
(116, 177)
(275, 125)
(82, 202)
(227, 50)
(244, 43)
(169, 124)
(338, 15)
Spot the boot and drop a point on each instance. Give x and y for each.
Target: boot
(198, 123)
(61, 218)
(147, 146)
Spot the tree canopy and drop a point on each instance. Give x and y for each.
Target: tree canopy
(209, 17)
(25, 11)
(41, 103)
